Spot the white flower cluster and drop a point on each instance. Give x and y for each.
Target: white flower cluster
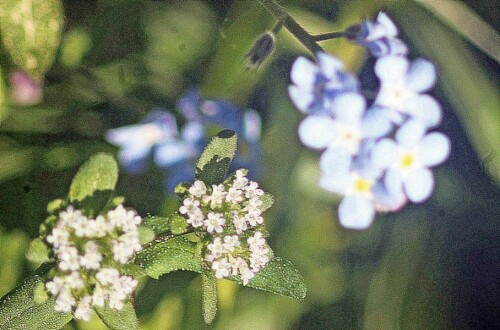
(82, 248)
(231, 214)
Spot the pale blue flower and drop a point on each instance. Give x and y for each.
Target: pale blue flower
(342, 133)
(380, 37)
(408, 159)
(315, 85)
(401, 88)
(137, 141)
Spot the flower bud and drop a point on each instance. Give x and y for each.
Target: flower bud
(261, 49)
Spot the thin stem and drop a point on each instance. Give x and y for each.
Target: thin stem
(291, 25)
(328, 36)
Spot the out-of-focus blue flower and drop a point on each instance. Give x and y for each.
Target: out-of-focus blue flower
(315, 85)
(342, 133)
(408, 159)
(380, 37)
(137, 141)
(401, 88)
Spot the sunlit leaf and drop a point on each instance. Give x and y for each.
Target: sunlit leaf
(93, 185)
(124, 319)
(18, 309)
(31, 32)
(173, 254)
(280, 277)
(213, 164)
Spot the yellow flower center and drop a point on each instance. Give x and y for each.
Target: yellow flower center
(362, 185)
(407, 160)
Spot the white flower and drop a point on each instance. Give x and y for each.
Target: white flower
(69, 216)
(99, 296)
(217, 196)
(83, 310)
(68, 258)
(231, 242)
(64, 302)
(74, 281)
(222, 268)
(240, 181)
(198, 189)
(55, 286)
(107, 276)
(58, 237)
(215, 222)
(92, 257)
(240, 224)
(252, 191)
(196, 219)
(234, 195)
(189, 206)
(216, 248)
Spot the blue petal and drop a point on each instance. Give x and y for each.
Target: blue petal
(425, 108)
(189, 104)
(390, 69)
(301, 98)
(336, 162)
(389, 27)
(328, 65)
(434, 149)
(253, 125)
(303, 72)
(421, 76)
(356, 212)
(419, 185)
(192, 132)
(334, 182)
(393, 181)
(177, 173)
(172, 152)
(349, 107)
(317, 131)
(133, 157)
(410, 133)
(384, 153)
(375, 124)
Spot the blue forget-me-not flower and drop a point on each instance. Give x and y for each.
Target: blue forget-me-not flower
(366, 158)
(380, 37)
(177, 150)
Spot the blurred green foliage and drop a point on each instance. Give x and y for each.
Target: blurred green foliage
(431, 266)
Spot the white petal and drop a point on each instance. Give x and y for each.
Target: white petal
(303, 72)
(424, 108)
(317, 131)
(336, 161)
(434, 149)
(391, 69)
(384, 153)
(349, 107)
(334, 182)
(388, 24)
(301, 98)
(410, 133)
(356, 212)
(419, 185)
(393, 181)
(376, 124)
(192, 132)
(253, 125)
(328, 65)
(421, 76)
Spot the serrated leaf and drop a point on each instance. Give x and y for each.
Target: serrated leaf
(31, 31)
(18, 309)
(280, 277)
(93, 185)
(208, 295)
(124, 319)
(213, 164)
(177, 253)
(267, 201)
(37, 251)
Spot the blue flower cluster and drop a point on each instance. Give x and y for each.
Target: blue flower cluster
(378, 154)
(177, 150)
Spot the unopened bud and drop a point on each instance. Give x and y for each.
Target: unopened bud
(261, 49)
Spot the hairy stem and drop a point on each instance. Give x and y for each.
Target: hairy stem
(328, 36)
(291, 25)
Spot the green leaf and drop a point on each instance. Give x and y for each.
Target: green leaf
(18, 309)
(176, 253)
(4, 109)
(178, 225)
(93, 185)
(157, 224)
(37, 251)
(31, 31)
(267, 201)
(209, 295)
(280, 277)
(213, 164)
(124, 319)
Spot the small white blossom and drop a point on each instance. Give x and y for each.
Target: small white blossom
(234, 195)
(55, 286)
(189, 206)
(92, 257)
(64, 302)
(74, 281)
(195, 219)
(216, 197)
(198, 189)
(222, 268)
(83, 310)
(214, 222)
(240, 181)
(231, 242)
(216, 247)
(58, 237)
(251, 190)
(68, 258)
(107, 276)
(240, 224)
